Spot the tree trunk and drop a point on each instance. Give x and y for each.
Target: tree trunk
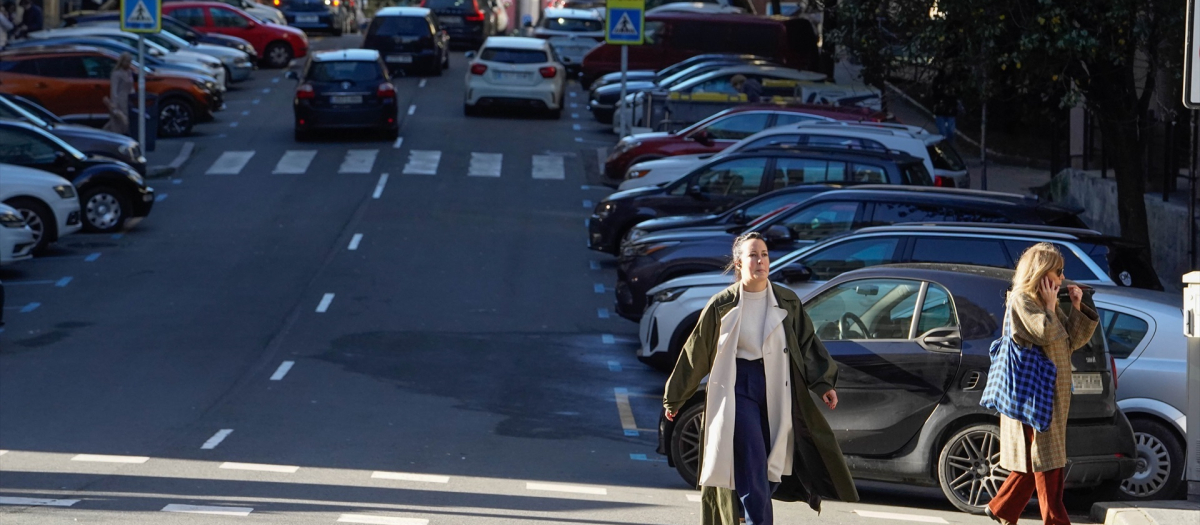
(1124, 144)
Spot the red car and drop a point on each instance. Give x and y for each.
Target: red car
(276, 44)
(719, 131)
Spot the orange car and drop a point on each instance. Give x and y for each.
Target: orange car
(72, 81)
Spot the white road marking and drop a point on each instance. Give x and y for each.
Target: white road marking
(421, 83)
(614, 366)
(216, 439)
(412, 108)
(295, 162)
(256, 101)
(587, 203)
(207, 509)
(324, 305)
(380, 520)
(574, 105)
(275, 80)
(102, 458)
(260, 467)
(694, 498)
(233, 124)
(379, 186)
(598, 287)
(422, 162)
(266, 90)
(246, 112)
(548, 167)
(354, 241)
(900, 517)
(602, 313)
(230, 163)
(485, 164)
(625, 411)
(37, 502)
(283, 369)
(399, 142)
(359, 161)
(576, 127)
(608, 339)
(160, 197)
(3, 452)
(574, 489)
(406, 476)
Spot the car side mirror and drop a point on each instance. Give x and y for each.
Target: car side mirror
(292, 75)
(796, 273)
(694, 191)
(777, 234)
(61, 159)
(469, 55)
(739, 217)
(702, 137)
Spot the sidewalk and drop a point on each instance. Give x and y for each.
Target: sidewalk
(168, 156)
(1148, 513)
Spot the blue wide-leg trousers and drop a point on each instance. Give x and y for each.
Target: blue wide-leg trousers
(752, 443)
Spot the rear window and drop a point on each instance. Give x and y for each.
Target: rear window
(944, 157)
(572, 24)
(399, 26)
(353, 71)
(513, 56)
(915, 174)
(444, 4)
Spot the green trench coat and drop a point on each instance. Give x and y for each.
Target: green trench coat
(819, 470)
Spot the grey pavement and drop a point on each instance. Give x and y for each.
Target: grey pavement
(1147, 513)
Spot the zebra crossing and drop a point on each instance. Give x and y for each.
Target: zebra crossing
(418, 162)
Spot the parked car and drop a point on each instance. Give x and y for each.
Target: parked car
(722, 184)
(237, 64)
(676, 36)
(409, 38)
(656, 76)
(1150, 354)
(91, 141)
(572, 33)
(603, 100)
(515, 71)
(345, 89)
(117, 46)
(674, 305)
(746, 214)
(697, 7)
(110, 192)
(47, 202)
(911, 343)
(318, 15)
(73, 82)
(469, 22)
(211, 66)
(16, 239)
(276, 45)
(648, 260)
(730, 128)
(260, 11)
(941, 159)
(173, 26)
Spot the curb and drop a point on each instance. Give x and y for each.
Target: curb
(185, 153)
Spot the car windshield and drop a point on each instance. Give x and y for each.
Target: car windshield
(915, 174)
(353, 71)
(513, 56)
(162, 40)
(572, 24)
(399, 26)
(13, 111)
(34, 109)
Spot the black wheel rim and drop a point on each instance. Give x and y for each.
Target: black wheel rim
(689, 445)
(972, 468)
(175, 119)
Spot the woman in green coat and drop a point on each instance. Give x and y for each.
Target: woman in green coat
(763, 434)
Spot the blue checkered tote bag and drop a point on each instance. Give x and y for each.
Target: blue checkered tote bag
(1020, 382)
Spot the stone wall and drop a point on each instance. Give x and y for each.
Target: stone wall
(1168, 220)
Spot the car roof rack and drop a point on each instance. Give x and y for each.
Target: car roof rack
(1057, 232)
(878, 127)
(829, 148)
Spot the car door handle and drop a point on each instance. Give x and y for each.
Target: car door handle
(941, 340)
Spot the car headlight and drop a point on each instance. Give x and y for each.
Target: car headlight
(605, 209)
(241, 61)
(625, 145)
(668, 295)
(210, 85)
(637, 233)
(639, 250)
(636, 174)
(65, 191)
(9, 219)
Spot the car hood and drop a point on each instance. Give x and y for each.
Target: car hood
(640, 74)
(613, 91)
(696, 279)
(217, 51)
(676, 221)
(181, 74)
(631, 194)
(716, 233)
(677, 161)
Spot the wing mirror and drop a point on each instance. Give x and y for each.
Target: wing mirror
(739, 217)
(61, 159)
(777, 234)
(702, 137)
(944, 339)
(694, 191)
(796, 273)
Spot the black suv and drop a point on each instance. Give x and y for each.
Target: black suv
(746, 214)
(409, 38)
(912, 344)
(318, 15)
(733, 179)
(469, 22)
(343, 89)
(110, 191)
(655, 258)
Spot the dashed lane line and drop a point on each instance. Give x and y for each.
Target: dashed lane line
(899, 517)
(383, 178)
(37, 502)
(260, 467)
(354, 241)
(326, 300)
(572, 489)
(412, 108)
(105, 458)
(407, 476)
(380, 520)
(216, 439)
(209, 510)
(399, 142)
(283, 369)
(625, 412)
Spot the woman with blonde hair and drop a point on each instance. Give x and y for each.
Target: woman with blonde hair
(763, 435)
(1036, 459)
(120, 86)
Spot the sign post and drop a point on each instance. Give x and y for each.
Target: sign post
(626, 22)
(141, 16)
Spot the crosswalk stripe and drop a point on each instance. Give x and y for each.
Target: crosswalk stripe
(287, 469)
(230, 163)
(37, 502)
(422, 162)
(900, 517)
(485, 164)
(208, 509)
(406, 476)
(575, 489)
(379, 520)
(295, 162)
(359, 161)
(548, 167)
(105, 458)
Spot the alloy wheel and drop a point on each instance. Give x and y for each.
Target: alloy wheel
(103, 211)
(1153, 467)
(971, 468)
(34, 222)
(688, 445)
(279, 56)
(175, 119)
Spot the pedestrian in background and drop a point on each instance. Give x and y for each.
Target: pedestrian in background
(6, 27)
(946, 106)
(747, 86)
(763, 434)
(31, 18)
(13, 13)
(120, 87)
(1036, 459)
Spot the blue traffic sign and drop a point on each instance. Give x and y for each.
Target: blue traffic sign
(141, 16)
(625, 22)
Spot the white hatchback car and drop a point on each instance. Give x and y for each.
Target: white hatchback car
(47, 202)
(16, 239)
(572, 33)
(515, 71)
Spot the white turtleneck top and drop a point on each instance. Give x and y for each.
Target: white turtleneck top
(754, 315)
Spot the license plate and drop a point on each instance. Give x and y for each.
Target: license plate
(399, 59)
(451, 20)
(1086, 384)
(346, 99)
(510, 75)
(307, 18)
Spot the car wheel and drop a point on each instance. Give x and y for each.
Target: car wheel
(175, 118)
(228, 77)
(39, 218)
(969, 469)
(1160, 460)
(104, 209)
(687, 443)
(555, 114)
(603, 116)
(278, 55)
(470, 110)
(302, 135)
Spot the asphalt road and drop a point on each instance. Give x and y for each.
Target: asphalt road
(386, 332)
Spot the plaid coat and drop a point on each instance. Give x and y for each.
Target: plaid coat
(1059, 334)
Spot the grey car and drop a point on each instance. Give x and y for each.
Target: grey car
(1150, 353)
(91, 141)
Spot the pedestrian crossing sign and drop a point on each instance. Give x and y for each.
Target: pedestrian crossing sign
(625, 21)
(141, 16)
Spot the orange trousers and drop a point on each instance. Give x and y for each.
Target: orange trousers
(1014, 494)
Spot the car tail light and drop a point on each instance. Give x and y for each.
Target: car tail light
(386, 90)
(548, 71)
(305, 92)
(477, 16)
(943, 182)
(478, 69)
(1112, 361)
(276, 2)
